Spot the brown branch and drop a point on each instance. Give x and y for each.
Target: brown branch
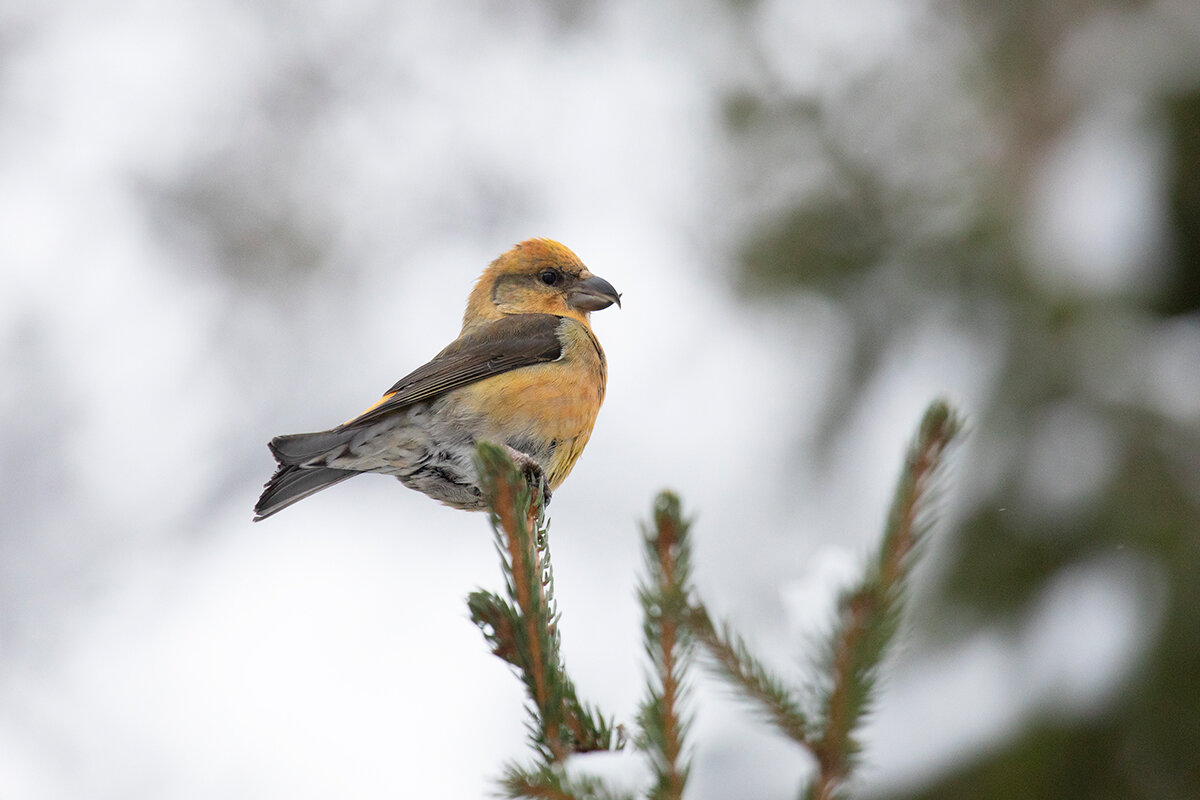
(832, 756)
(672, 735)
(526, 574)
(665, 605)
(870, 612)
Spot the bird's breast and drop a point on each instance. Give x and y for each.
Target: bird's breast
(546, 410)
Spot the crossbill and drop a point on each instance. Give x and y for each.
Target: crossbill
(525, 372)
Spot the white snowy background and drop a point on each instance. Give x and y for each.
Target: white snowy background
(363, 161)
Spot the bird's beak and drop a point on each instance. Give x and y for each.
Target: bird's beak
(592, 294)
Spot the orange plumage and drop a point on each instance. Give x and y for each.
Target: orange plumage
(526, 372)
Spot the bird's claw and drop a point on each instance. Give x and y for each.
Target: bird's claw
(532, 471)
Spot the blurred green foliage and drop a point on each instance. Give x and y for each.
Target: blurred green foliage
(1182, 113)
(841, 239)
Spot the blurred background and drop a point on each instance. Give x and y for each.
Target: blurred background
(224, 221)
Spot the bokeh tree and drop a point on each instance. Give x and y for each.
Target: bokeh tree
(937, 187)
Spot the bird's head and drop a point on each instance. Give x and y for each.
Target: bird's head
(538, 276)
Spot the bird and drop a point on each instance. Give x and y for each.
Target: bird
(526, 372)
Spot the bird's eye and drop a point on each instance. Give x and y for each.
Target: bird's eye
(549, 276)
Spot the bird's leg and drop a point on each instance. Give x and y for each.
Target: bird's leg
(532, 471)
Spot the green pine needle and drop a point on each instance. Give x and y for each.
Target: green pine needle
(730, 658)
(551, 784)
(869, 615)
(523, 629)
(665, 597)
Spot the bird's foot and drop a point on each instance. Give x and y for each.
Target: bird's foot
(532, 471)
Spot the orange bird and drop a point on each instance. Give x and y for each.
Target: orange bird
(525, 372)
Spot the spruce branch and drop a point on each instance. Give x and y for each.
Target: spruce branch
(730, 658)
(869, 614)
(665, 597)
(550, 783)
(522, 629)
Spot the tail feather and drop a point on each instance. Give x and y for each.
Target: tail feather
(301, 472)
(302, 458)
(292, 484)
(298, 448)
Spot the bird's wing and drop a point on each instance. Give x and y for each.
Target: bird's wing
(506, 344)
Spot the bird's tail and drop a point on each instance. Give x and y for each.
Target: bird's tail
(294, 481)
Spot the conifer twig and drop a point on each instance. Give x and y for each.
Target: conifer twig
(523, 629)
(732, 659)
(867, 621)
(869, 614)
(550, 784)
(528, 638)
(665, 597)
